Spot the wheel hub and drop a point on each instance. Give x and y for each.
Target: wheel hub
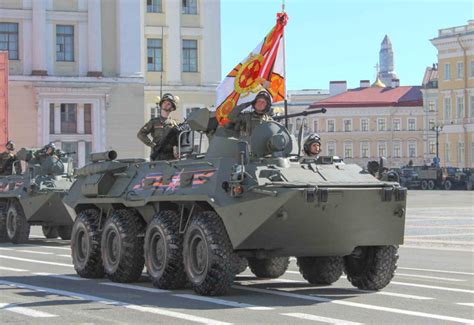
(112, 247)
(158, 253)
(198, 255)
(11, 223)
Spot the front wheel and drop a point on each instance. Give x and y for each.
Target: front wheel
(321, 269)
(50, 232)
(424, 185)
(208, 255)
(122, 246)
(18, 229)
(371, 267)
(448, 185)
(431, 185)
(269, 268)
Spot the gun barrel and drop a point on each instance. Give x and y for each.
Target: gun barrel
(106, 155)
(304, 113)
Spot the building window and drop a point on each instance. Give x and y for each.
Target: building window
(472, 106)
(190, 56)
(154, 54)
(348, 150)
(472, 69)
(290, 126)
(331, 148)
(411, 124)
(432, 106)
(154, 112)
(382, 149)
(65, 43)
(189, 110)
(71, 147)
(459, 70)
(153, 6)
(9, 39)
(460, 152)
(189, 7)
(298, 125)
(347, 125)
(306, 129)
(51, 119)
(364, 150)
(315, 125)
(364, 125)
(432, 146)
(87, 118)
(68, 118)
(460, 107)
(397, 152)
(447, 156)
(431, 124)
(396, 124)
(447, 71)
(447, 109)
(412, 149)
(331, 127)
(381, 125)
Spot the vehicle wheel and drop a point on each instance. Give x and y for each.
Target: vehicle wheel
(18, 229)
(448, 185)
(164, 251)
(239, 264)
(50, 232)
(3, 226)
(431, 185)
(424, 185)
(269, 268)
(122, 246)
(321, 269)
(371, 267)
(208, 255)
(85, 245)
(65, 232)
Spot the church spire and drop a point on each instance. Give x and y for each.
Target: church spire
(386, 60)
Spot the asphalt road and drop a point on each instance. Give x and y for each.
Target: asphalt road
(434, 284)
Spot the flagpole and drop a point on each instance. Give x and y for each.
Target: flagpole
(284, 69)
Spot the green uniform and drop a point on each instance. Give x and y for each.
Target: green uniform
(6, 163)
(246, 122)
(157, 128)
(51, 166)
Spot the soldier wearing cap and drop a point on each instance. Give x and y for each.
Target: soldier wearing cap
(246, 122)
(50, 163)
(312, 145)
(158, 128)
(8, 159)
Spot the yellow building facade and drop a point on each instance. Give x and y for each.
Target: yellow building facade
(455, 47)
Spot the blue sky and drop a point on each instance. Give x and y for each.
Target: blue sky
(340, 40)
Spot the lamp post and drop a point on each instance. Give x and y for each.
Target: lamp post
(437, 128)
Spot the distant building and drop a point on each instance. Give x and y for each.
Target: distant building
(455, 47)
(429, 89)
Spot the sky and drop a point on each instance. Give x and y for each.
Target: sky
(340, 39)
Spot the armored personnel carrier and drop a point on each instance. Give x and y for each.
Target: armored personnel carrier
(203, 217)
(35, 198)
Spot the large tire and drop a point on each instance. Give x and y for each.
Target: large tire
(164, 251)
(239, 264)
(208, 255)
(269, 268)
(18, 229)
(50, 232)
(122, 246)
(3, 225)
(371, 267)
(448, 185)
(65, 232)
(424, 185)
(321, 270)
(431, 185)
(85, 245)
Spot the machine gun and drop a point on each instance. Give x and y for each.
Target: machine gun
(303, 113)
(170, 138)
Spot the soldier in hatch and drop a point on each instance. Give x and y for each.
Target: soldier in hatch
(8, 159)
(312, 145)
(159, 127)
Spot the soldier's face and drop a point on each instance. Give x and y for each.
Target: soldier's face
(260, 105)
(166, 108)
(315, 148)
(49, 151)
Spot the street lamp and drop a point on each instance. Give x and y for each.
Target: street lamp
(437, 128)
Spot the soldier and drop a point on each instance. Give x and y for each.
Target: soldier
(159, 128)
(8, 159)
(312, 145)
(246, 122)
(50, 164)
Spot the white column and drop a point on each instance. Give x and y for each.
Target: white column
(174, 48)
(57, 118)
(81, 153)
(211, 42)
(26, 56)
(130, 41)
(94, 37)
(39, 33)
(82, 48)
(80, 118)
(50, 48)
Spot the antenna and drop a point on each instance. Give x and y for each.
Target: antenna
(161, 74)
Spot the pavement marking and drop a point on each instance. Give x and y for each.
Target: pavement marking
(152, 310)
(6, 249)
(439, 241)
(469, 304)
(428, 277)
(357, 305)
(435, 271)
(60, 276)
(431, 287)
(14, 246)
(64, 255)
(134, 287)
(34, 261)
(393, 294)
(223, 302)
(451, 249)
(12, 269)
(293, 272)
(33, 252)
(320, 319)
(25, 311)
(440, 235)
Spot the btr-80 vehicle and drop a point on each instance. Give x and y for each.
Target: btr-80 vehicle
(202, 218)
(35, 198)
